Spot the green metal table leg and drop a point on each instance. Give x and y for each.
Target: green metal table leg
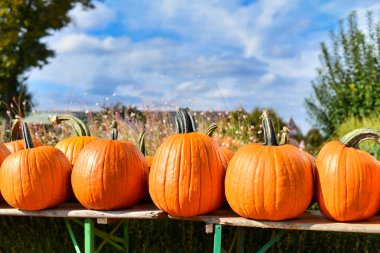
(72, 236)
(89, 240)
(240, 240)
(126, 236)
(272, 241)
(218, 238)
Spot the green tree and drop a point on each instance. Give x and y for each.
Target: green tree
(23, 23)
(348, 82)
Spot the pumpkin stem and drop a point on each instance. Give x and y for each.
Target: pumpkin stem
(15, 130)
(114, 130)
(142, 143)
(284, 136)
(211, 129)
(79, 127)
(27, 137)
(353, 138)
(185, 121)
(269, 134)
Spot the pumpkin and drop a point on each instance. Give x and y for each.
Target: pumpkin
(142, 148)
(109, 174)
(35, 178)
(228, 154)
(348, 178)
(187, 173)
(285, 140)
(73, 145)
(16, 145)
(267, 181)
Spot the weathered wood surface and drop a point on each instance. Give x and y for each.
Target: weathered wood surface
(310, 220)
(75, 210)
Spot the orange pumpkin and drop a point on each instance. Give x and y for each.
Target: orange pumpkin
(348, 178)
(267, 181)
(73, 145)
(228, 154)
(187, 173)
(142, 148)
(17, 145)
(109, 174)
(35, 178)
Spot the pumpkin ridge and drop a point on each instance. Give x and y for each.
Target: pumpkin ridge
(62, 189)
(261, 157)
(199, 193)
(47, 158)
(209, 182)
(163, 193)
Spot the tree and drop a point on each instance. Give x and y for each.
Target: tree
(348, 83)
(23, 23)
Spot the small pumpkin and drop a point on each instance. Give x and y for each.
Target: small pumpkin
(73, 145)
(109, 174)
(348, 178)
(267, 181)
(187, 173)
(15, 144)
(142, 148)
(35, 178)
(228, 154)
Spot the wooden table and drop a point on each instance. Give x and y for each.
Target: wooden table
(309, 221)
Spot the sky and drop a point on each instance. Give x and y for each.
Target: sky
(205, 55)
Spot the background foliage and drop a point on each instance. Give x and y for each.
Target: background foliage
(23, 23)
(348, 82)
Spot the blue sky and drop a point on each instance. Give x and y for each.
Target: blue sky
(206, 55)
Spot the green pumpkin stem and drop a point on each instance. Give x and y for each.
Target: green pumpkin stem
(142, 143)
(26, 135)
(15, 130)
(284, 136)
(114, 130)
(269, 134)
(79, 127)
(353, 138)
(185, 121)
(211, 129)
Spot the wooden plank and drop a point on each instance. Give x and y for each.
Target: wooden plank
(75, 210)
(310, 220)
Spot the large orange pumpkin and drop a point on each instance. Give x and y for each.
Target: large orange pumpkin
(17, 145)
(35, 178)
(187, 173)
(109, 174)
(267, 181)
(348, 179)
